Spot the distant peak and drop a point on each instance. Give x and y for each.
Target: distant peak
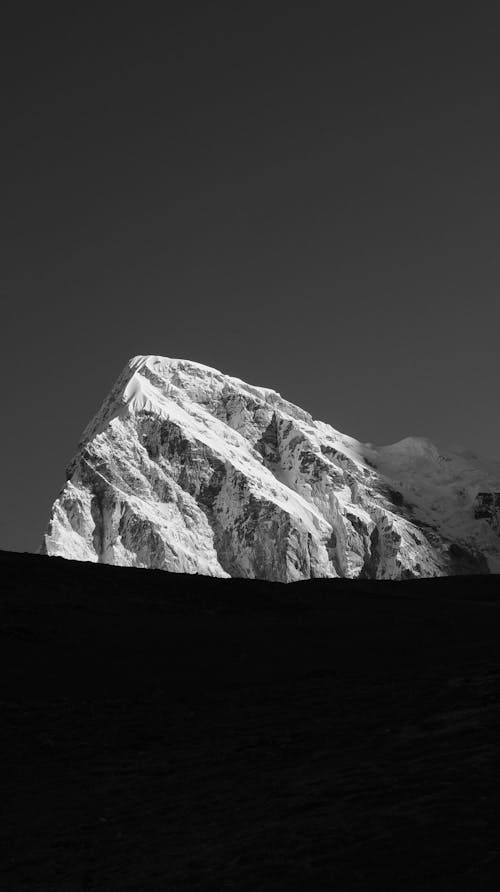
(190, 469)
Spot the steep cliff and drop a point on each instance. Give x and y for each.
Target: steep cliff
(187, 469)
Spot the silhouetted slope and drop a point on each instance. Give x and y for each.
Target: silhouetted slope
(169, 732)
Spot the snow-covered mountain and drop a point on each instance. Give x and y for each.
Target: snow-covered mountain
(187, 469)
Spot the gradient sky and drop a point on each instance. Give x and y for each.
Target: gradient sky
(305, 200)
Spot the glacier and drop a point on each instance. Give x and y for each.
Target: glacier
(190, 470)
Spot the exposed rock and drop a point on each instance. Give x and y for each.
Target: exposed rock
(187, 469)
(487, 507)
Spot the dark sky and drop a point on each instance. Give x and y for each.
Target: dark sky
(303, 199)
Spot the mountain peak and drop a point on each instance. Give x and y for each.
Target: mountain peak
(186, 468)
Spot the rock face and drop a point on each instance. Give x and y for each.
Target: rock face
(187, 469)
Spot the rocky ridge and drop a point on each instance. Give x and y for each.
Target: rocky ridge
(190, 470)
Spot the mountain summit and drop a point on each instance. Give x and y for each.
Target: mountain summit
(190, 470)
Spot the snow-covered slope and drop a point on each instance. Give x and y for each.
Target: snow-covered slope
(187, 469)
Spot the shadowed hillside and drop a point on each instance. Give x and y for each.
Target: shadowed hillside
(169, 732)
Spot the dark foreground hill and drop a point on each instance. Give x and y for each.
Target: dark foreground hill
(163, 732)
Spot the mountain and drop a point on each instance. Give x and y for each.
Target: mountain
(190, 470)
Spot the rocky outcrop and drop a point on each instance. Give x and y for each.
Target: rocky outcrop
(190, 470)
(487, 507)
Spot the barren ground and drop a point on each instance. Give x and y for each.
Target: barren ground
(162, 732)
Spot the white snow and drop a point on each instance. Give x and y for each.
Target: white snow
(189, 469)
